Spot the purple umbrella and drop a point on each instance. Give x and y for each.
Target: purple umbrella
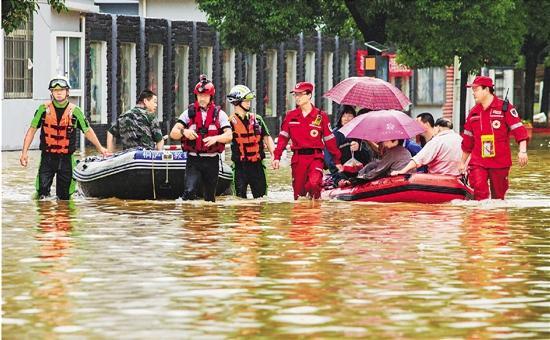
(379, 126)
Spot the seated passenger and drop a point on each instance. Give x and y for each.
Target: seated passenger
(426, 119)
(349, 148)
(394, 156)
(442, 154)
(138, 127)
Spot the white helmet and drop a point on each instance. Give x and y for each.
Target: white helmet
(239, 93)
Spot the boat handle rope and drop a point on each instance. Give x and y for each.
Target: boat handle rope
(153, 177)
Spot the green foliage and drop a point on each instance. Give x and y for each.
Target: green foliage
(17, 12)
(480, 33)
(425, 32)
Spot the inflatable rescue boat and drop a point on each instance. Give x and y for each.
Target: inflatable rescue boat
(140, 174)
(419, 187)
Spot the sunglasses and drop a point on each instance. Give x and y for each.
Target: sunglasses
(61, 83)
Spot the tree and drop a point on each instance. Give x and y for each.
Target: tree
(17, 12)
(425, 32)
(535, 47)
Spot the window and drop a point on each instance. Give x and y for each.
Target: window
(18, 62)
(155, 75)
(250, 75)
(499, 83)
(344, 66)
(271, 83)
(309, 67)
(98, 82)
(205, 61)
(228, 74)
(68, 61)
(430, 86)
(182, 78)
(127, 76)
(290, 60)
(327, 79)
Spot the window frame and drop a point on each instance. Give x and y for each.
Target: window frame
(228, 81)
(160, 78)
(271, 83)
(328, 78)
(27, 32)
(103, 119)
(431, 87)
(291, 59)
(133, 75)
(183, 84)
(75, 92)
(209, 60)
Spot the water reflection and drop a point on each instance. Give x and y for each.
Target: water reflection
(275, 268)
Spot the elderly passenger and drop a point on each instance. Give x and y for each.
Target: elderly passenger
(442, 153)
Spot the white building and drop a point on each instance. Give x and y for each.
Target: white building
(50, 44)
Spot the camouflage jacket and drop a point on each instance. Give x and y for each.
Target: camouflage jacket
(137, 127)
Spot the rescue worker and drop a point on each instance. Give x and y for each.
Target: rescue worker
(247, 148)
(204, 130)
(486, 141)
(59, 121)
(138, 127)
(309, 130)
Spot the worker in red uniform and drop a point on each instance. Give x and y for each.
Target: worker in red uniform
(308, 129)
(486, 141)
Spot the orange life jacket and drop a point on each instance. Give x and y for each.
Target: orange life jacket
(247, 137)
(210, 128)
(57, 135)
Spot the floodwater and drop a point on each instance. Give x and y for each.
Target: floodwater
(274, 268)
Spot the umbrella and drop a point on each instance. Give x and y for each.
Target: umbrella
(378, 126)
(370, 93)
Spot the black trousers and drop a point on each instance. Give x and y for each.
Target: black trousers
(60, 166)
(201, 174)
(250, 173)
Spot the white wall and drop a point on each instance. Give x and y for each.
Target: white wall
(186, 10)
(17, 113)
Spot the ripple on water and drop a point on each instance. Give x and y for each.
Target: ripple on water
(68, 329)
(468, 324)
(13, 321)
(300, 310)
(211, 293)
(301, 319)
(348, 331)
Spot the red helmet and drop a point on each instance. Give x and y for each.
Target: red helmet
(205, 86)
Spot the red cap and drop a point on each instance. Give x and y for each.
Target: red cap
(302, 87)
(481, 81)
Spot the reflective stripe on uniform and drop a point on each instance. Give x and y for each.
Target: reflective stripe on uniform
(284, 134)
(468, 133)
(515, 126)
(329, 137)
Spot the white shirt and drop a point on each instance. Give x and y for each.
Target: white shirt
(442, 154)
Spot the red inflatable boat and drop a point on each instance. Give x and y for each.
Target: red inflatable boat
(420, 188)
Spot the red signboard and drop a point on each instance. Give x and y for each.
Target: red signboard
(360, 56)
(398, 70)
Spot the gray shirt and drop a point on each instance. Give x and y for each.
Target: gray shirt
(395, 158)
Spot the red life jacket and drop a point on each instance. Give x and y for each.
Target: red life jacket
(248, 137)
(57, 135)
(210, 128)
